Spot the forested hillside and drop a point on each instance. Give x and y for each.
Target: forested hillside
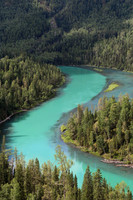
(19, 181)
(94, 32)
(24, 84)
(34, 34)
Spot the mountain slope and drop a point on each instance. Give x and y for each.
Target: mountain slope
(95, 32)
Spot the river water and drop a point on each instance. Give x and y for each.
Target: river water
(36, 133)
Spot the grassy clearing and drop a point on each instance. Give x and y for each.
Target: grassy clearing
(98, 70)
(111, 87)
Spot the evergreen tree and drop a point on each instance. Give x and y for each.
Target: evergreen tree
(79, 113)
(105, 189)
(129, 195)
(87, 187)
(16, 190)
(75, 192)
(5, 168)
(5, 192)
(19, 177)
(97, 186)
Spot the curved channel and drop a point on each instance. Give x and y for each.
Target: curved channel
(36, 132)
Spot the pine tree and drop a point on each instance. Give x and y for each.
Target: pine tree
(100, 144)
(113, 115)
(28, 181)
(129, 195)
(105, 189)
(5, 168)
(119, 133)
(97, 186)
(55, 177)
(5, 192)
(56, 174)
(37, 173)
(79, 113)
(86, 115)
(16, 190)
(39, 191)
(75, 192)
(87, 187)
(19, 176)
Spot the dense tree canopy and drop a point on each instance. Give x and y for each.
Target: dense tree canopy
(20, 181)
(94, 32)
(24, 84)
(108, 130)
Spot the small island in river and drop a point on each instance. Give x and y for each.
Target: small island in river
(111, 87)
(106, 132)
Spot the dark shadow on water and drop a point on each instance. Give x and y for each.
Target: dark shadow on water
(18, 136)
(6, 128)
(78, 71)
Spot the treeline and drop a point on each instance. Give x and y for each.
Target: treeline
(24, 84)
(115, 52)
(94, 32)
(107, 131)
(98, 50)
(20, 181)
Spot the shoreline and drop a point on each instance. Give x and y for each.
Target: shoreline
(116, 162)
(28, 109)
(10, 116)
(37, 103)
(101, 68)
(90, 67)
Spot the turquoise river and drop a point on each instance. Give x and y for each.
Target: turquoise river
(36, 133)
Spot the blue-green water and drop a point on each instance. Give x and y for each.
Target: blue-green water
(36, 132)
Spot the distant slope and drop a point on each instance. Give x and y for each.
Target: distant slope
(95, 32)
